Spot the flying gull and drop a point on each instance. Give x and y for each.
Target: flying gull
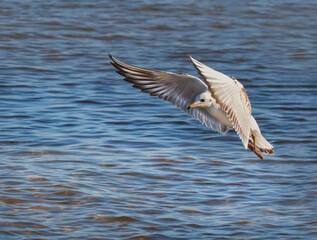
(218, 101)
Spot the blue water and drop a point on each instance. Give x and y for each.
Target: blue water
(86, 156)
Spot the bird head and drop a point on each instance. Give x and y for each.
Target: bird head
(203, 100)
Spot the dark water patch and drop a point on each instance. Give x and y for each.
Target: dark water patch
(273, 212)
(190, 211)
(70, 84)
(217, 202)
(243, 223)
(11, 201)
(68, 193)
(193, 225)
(6, 233)
(164, 160)
(23, 225)
(74, 36)
(14, 142)
(161, 28)
(59, 186)
(16, 86)
(292, 141)
(304, 161)
(220, 26)
(138, 174)
(170, 220)
(16, 116)
(87, 102)
(148, 9)
(115, 37)
(43, 153)
(18, 36)
(30, 69)
(45, 36)
(9, 48)
(292, 108)
(139, 237)
(67, 202)
(119, 219)
(109, 165)
(152, 236)
(37, 179)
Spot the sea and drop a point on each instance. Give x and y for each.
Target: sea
(84, 155)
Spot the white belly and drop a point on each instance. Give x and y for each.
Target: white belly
(216, 111)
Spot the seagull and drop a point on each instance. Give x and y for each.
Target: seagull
(218, 101)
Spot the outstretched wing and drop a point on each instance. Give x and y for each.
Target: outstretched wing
(179, 89)
(231, 96)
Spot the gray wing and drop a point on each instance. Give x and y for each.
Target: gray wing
(179, 89)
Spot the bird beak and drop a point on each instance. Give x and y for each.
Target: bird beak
(192, 106)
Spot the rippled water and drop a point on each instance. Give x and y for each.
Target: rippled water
(86, 156)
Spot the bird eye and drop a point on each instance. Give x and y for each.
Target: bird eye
(202, 100)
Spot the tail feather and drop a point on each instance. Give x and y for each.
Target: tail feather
(262, 144)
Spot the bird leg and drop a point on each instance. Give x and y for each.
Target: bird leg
(253, 149)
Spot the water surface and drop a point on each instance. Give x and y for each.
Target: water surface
(86, 156)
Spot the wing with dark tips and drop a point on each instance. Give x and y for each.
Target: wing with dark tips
(179, 89)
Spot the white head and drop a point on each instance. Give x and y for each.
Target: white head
(203, 100)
